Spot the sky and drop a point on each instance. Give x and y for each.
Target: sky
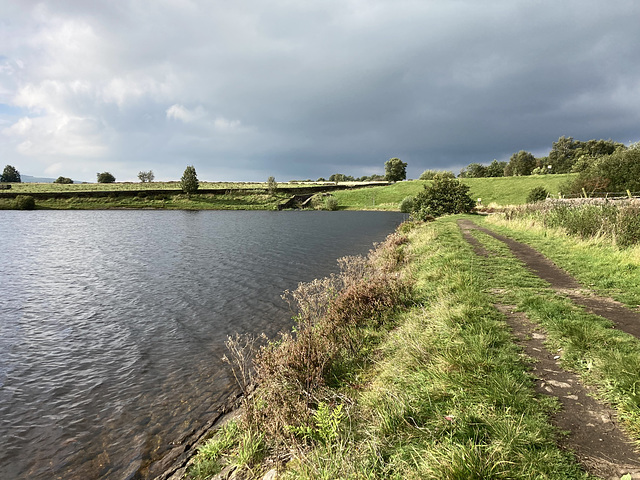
(301, 89)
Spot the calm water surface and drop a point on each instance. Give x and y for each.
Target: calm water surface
(112, 323)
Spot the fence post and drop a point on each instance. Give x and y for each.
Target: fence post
(584, 192)
(629, 193)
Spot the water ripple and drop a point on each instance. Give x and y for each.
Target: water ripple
(113, 323)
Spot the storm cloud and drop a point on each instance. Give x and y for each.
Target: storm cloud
(244, 90)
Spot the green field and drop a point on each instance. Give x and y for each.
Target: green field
(26, 188)
(499, 190)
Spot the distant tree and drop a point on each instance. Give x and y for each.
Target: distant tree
(496, 168)
(338, 177)
(146, 177)
(321, 179)
(474, 170)
(189, 180)
(444, 196)
(395, 170)
(431, 174)
(272, 185)
(63, 180)
(613, 173)
(521, 163)
(105, 177)
(10, 174)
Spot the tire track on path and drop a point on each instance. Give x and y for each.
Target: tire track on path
(595, 437)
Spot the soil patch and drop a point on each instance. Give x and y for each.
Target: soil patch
(623, 318)
(595, 437)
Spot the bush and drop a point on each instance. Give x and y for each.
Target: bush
(105, 177)
(614, 173)
(25, 202)
(445, 196)
(537, 194)
(63, 180)
(330, 203)
(406, 205)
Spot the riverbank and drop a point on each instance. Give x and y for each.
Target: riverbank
(436, 385)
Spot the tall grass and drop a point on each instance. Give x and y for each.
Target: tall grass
(618, 222)
(444, 394)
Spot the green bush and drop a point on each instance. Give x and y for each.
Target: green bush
(25, 202)
(445, 196)
(614, 173)
(537, 194)
(406, 206)
(330, 203)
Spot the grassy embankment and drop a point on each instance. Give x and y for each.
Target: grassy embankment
(162, 195)
(439, 390)
(252, 196)
(499, 191)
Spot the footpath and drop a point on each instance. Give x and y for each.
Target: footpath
(594, 433)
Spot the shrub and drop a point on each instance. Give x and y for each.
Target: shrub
(25, 202)
(63, 180)
(614, 173)
(537, 194)
(406, 205)
(445, 196)
(105, 177)
(330, 203)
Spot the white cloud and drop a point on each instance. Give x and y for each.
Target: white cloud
(180, 112)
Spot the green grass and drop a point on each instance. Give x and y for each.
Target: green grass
(128, 186)
(499, 190)
(603, 356)
(446, 393)
(596, 263)
(231, 201)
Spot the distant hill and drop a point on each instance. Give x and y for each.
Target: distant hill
(30, 179)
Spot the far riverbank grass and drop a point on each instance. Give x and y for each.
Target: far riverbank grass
(500, 191)
(230, 201)
(437, 390)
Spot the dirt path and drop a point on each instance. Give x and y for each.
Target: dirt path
(625, 319)
(595, 437)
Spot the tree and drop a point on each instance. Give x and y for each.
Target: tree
(521, 163)
(613, 173)
(395, 170)
(474, 170)
(146, 177)
(63, 180)
(105, 177)
(496, 168)
(563, 154)
(10, 174)
(189, 180)
(272, 185)
(444, 196)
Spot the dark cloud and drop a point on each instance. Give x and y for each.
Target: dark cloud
(245, 90)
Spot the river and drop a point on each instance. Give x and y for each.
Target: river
(112, 323)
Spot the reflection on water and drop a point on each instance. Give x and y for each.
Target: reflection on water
(112, 323)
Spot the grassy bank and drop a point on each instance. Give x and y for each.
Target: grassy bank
(229, 201)
(499, 191)
(434, 387)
